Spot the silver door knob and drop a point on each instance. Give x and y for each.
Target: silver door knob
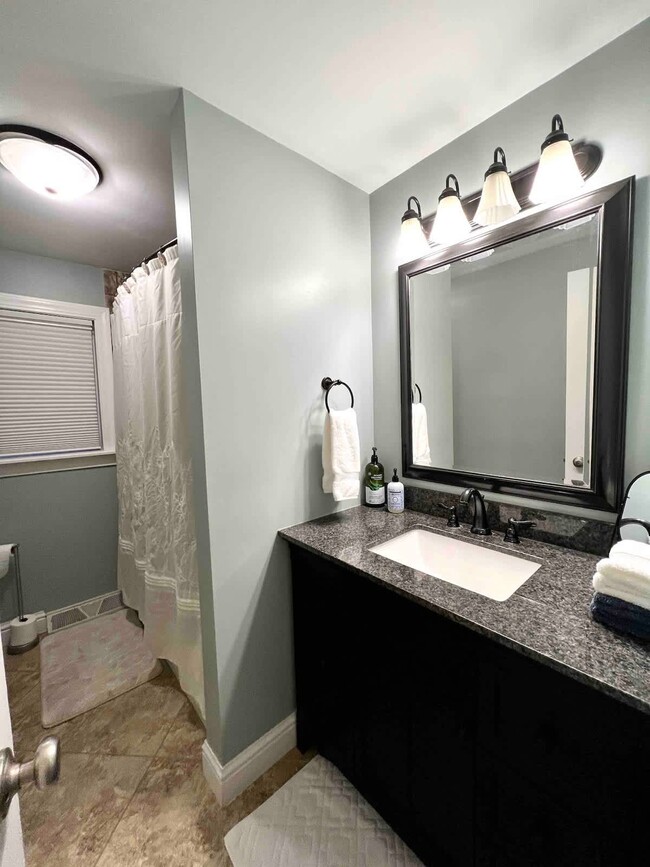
(578, 463)
(43, 770)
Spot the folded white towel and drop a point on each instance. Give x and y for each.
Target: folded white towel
(5, 557)
(630, 547)
(341, 461)
(627, 567)
(421, 449)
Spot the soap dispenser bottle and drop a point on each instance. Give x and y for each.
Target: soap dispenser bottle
(395, 494)
(373, 483)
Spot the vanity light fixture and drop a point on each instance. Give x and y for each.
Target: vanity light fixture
(46, 163)
(498, 201)
(412, 241)
(450, 223)
(558, 176)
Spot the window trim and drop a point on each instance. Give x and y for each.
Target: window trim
(100, 317)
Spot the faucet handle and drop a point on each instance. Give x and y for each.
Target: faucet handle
(512, 530)
(452, 514)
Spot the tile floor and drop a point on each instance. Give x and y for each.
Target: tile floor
(132, 792)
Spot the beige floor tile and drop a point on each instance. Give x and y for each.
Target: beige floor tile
(71, 822)
(262, 789)
(133, 724)
(26, 722)
(30, 661)
(173, 819)
(19, 683)
(185, 737)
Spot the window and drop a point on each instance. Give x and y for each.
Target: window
(56, 385)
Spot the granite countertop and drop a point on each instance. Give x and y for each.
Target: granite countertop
(547, 619)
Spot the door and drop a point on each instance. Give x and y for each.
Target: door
(580, 341)
(12, 853)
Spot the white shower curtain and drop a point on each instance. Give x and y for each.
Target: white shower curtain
(157, 566)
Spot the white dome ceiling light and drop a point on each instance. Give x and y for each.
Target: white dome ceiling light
(46, 163)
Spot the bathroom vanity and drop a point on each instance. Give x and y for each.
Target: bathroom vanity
(501, 733)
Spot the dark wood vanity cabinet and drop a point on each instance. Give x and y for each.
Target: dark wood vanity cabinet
(475, 754)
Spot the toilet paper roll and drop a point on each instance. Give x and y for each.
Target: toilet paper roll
(23, 634)
(5, 557)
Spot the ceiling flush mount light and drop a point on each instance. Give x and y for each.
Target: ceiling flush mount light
(558, 176)
(412, 241)
(450, 223)
(46, 163)
(498, 201)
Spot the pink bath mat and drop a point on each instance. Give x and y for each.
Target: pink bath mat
(89, 664)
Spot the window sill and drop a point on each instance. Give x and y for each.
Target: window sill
(55, 464)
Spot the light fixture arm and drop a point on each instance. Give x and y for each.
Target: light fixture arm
(449, 190)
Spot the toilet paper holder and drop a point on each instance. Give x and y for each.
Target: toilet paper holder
(23, 632)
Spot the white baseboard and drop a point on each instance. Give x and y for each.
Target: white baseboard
(229, 780)
(41, 626)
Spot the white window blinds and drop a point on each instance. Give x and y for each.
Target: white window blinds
(48, 385)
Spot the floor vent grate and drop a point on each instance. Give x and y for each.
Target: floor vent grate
(111, 603)
(66, 618)
(84, 611)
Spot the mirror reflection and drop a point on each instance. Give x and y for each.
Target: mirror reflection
(502, 358)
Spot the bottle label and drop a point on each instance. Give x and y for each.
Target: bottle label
(375, 498)
(396, 501)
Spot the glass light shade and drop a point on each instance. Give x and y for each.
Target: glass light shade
(49, 169)
(450, 223)
(498, 201)
(412, 241)
(558, 176)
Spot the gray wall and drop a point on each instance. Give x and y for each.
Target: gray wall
(281, 271)
(66, 522)
(605, 99)
(42, 277)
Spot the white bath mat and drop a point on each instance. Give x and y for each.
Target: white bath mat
(317, 819)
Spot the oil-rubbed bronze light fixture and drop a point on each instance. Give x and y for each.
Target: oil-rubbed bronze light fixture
(412, 240)
(498, 201)
(450, 223)
(558, 176)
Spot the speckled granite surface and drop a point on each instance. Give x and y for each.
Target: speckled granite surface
(567, 531)
(547, 618)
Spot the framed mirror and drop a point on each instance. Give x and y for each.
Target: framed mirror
(514, 354)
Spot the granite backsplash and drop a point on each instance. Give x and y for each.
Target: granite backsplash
(579, 534)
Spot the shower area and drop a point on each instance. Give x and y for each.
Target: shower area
(156, 565)
(117, 374)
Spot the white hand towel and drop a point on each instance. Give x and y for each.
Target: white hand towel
(630, 547)
(341, 455)
(5, 557)
(626, 567)
(421, 449)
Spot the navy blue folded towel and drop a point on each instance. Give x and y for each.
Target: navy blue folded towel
(621, 616)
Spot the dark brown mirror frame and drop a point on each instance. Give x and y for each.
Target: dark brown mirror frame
(614, 205)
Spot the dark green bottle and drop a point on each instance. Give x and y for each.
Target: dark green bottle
(373, 483)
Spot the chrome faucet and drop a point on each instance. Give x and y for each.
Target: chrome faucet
(480, 524)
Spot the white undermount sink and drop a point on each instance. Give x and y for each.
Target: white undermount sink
(475, 567)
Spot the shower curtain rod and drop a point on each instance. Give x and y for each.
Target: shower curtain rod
(160, 250)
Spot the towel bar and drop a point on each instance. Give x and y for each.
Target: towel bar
(328, 383)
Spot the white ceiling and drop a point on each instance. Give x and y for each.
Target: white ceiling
(365, 88)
